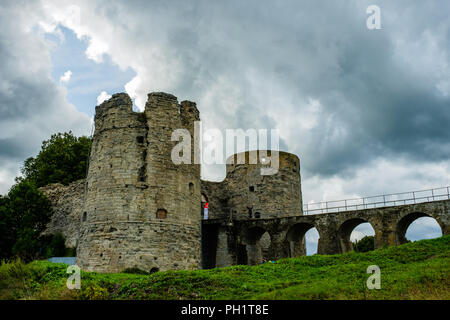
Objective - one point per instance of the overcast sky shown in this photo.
(366, 111)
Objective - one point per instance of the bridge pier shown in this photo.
(328, 235)
(279, 247)
(224, 253)
(328, 244)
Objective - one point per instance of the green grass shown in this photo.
(418, 270)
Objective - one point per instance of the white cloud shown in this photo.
(28, 119)
(102, 97)
(96, 50)
(66, 77)
(379, 176)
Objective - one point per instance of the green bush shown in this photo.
(366, 244)
(93, 292)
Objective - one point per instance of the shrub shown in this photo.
(93, 292)
(365, 244)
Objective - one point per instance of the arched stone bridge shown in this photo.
(230, 242)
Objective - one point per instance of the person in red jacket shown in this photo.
(205, 211)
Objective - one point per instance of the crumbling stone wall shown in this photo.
(67, 203)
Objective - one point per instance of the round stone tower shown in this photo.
(141, 210)
(256, 195)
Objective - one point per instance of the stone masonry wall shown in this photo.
(268, 196)
(141, 209)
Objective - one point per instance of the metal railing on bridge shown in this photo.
(386, 200)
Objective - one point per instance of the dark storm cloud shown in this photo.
(32, 107)
(380, 93)
(374, 101)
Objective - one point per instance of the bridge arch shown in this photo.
(295, 238)
(254, 246)
(404, 223)
(345, 231)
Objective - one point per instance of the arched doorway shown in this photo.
(417, 226)
(296, 236)
(351, 231)
(257, 243)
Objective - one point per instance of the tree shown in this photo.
(56, 246)
(63, 159)
(25, 213)
(365, 244)
(7, 238)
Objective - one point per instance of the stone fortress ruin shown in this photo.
(137, 209)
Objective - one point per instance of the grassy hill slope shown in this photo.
(419, 270)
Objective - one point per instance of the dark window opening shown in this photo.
(191, 187)
(252, 189)
(161, 214)
(140, 139)
(250, 212)
(142, 176)
(257, 215)
(153, 270)
(84, 216)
